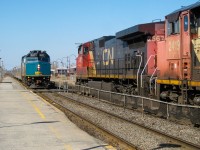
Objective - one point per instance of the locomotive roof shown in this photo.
(175, 14)
(139, 29)
(105, 38)
(36, 53)
(102, 39)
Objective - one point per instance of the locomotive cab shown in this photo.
(179, 74)
(82, 61)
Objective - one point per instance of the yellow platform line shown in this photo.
(58, 136)
(34, 106)
(52, 129)
(109, 147)
(38, 111)
(68, 147)
(55, 132)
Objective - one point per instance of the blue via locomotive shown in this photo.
(36, 69)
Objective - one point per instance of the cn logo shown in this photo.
(108, 55)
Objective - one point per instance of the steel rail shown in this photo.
(125, 144)
(178, 140)
(175, 139)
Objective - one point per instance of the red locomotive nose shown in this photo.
(38, 67)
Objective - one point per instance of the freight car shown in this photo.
(36, 69)
(160, 59)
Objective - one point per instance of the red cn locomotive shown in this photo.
(178, 57)
(123, 63)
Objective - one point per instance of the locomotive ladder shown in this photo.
(186, 76)
(184, 92)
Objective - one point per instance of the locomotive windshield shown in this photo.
(38, 56)
(44, 59)
(80, 49)
(173, 27)
(32, 59)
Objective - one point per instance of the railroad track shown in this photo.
(107, 135)
(174, 140)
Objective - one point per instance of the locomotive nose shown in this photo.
(38, 67)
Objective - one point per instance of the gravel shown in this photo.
(142, 138)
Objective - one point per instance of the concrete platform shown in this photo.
(27, 122)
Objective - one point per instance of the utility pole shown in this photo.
(0, 70)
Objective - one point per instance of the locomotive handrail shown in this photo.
(139, 69)
(152, 78)
(156, 20)
(144, 69)
(138, 96)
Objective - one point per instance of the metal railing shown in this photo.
(183, 113)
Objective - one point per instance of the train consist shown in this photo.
(36, 69)
(158, 59)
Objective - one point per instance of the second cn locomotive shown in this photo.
(123, 63)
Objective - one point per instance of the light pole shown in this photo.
(69, 60)
(64, 58)
(54, 67)
(61, 63)
(0, 70)
(61, 71)
(66, 63)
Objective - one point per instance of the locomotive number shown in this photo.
(173, 48)
(157, 38)
(108, 56)
(38, 73)
(174, 45)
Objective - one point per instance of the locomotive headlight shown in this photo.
(38, 67)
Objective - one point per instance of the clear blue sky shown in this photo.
(56, 25)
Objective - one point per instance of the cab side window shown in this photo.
(173, 27)
(80, 50)
(85, 50)
(185, 23)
